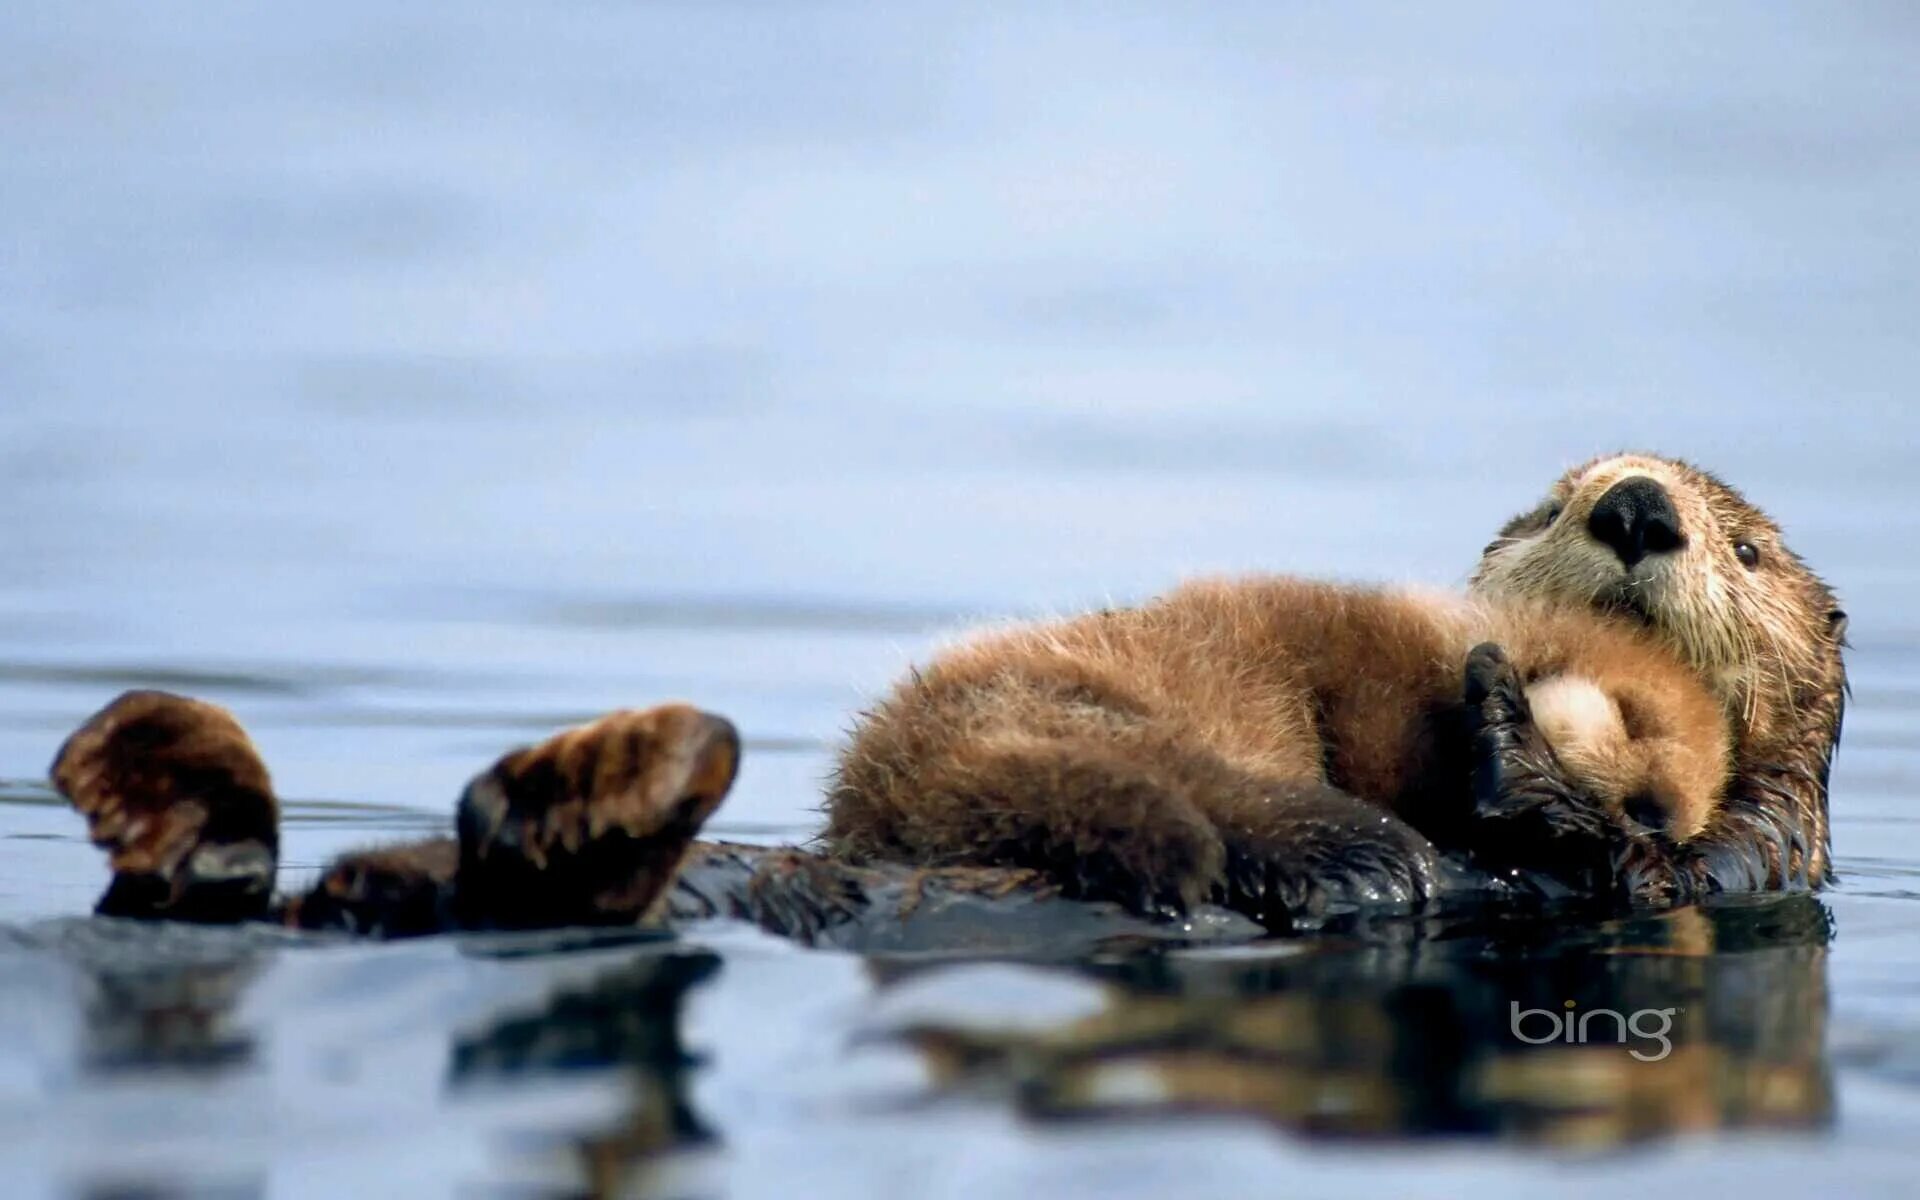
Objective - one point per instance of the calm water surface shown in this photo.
(415, 381)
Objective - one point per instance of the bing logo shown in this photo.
(1540, 1026)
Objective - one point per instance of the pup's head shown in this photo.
(1670, 546)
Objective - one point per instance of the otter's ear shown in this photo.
(1837, 624)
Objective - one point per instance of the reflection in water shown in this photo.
(164, 1007)
(1702, 1018)
(168, 1017)
(628, 1019)
(158, 997)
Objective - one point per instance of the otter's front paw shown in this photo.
(1528, 813)
(589, 826)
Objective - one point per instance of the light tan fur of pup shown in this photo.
(1158, 736)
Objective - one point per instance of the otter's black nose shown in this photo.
(1636, 518)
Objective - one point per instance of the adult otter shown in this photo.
(1770, 833)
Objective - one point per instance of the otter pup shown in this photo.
(1670, 546)
(1219, 742)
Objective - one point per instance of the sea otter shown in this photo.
(1673, 547)
(646, 779)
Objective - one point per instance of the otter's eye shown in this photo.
(1747, 553)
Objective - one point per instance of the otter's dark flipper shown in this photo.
(586, 828)
(175, 792)
(589, 826)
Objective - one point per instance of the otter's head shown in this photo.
(1674, 548)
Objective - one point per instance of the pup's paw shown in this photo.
(1528, 813)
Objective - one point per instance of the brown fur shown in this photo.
(586, 828)
(589, 826)
(175, 791)
(1767, 638)
(1150, 754)
(1271, 743)
(391, 891)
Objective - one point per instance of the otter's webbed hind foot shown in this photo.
(174, 791)
(589, 827)
(585, 828)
